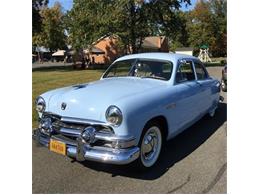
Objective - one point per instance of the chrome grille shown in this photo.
(73, 130)
(59, 124)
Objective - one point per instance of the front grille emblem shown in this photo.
(63, 106)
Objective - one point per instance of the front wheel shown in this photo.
(150, 146)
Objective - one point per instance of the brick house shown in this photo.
(110, 50)
(155, 44)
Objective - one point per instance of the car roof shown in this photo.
(157, 55)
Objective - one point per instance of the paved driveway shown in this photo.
(193, 162)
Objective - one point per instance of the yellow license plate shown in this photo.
(58, 147)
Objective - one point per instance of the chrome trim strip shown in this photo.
(83, 121)
(119, 141)
(113, 137)
(118, 157)
(102, 136)
(70, 132)
(78, 120)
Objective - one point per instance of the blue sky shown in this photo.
(67, 4)
(193, 2)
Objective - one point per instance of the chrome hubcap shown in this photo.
(151, 146)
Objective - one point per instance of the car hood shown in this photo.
(91, 100)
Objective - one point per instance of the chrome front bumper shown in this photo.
(82, 151)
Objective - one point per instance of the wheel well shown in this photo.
(162, 122)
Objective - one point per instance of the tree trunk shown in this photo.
(132, 28)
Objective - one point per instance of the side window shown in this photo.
(185, 72)
(200, 71)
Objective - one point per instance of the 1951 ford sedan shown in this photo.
(141, 101)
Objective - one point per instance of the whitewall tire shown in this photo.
(150, 146)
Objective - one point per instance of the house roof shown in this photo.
(94, 50)
(204, 47)
(59, 53)
(105, 37)
(184, 49)
(153, 42)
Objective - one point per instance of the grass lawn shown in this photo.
(45, 79)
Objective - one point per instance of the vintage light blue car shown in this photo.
(141, 101)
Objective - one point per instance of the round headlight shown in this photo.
(114, 116)
(40, 104)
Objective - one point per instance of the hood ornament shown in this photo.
(63, 105)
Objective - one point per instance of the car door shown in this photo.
(186, 95)
(205, 82)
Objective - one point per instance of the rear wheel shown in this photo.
(150, 146)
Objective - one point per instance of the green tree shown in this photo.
(206, 25)
(200, 25)
(89, 20)
(52, 34)
(82, 22)
(132, 24)
(143, 18)
(37, 5)
(219, 10)
(131, 20)
(180, 36)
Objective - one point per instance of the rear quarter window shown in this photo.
(200, 71)
(185, 72)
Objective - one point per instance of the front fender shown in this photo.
(139, 110)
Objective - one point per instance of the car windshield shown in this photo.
(143, 68)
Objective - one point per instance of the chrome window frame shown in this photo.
(177, 68)
(136, 60)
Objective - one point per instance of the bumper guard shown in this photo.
(82, 151)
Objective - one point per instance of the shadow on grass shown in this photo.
(53, 68)
(66, 68)
(174, 150)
